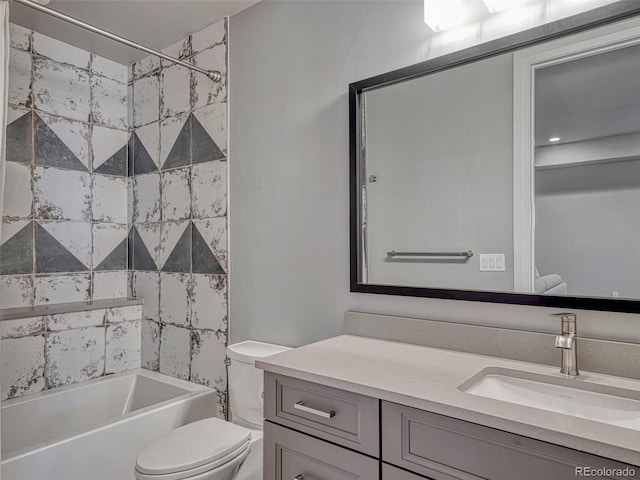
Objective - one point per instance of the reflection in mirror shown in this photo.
(587, 176)
(514, 173)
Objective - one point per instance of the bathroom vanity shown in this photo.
(355, 407)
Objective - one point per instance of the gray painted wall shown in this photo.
(289, 157)
(444, 169)
(587, 227)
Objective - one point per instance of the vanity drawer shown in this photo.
(290, 455)
(339, 416)
(445, 448)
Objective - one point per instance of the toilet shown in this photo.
(212, 449)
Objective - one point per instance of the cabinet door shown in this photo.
(443, 448)
(289, 455)
(393, 473)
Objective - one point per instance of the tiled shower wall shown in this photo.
(64, 233)
(112, 171)
(178, 209)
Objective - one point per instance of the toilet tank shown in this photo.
(245, 380)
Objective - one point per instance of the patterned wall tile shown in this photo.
(68, 321)
(62, 288)
(18, 194)
(209, 189)
(146, 66)
(214, 234)
(128, 313)
(210, 133)
(180, 49)
(19, 135)
(208, 37)
(109, 69)
(19, 78)
(123, 347)
(61, 143)
(146, 246)
(145, 149)
(60, 52)
(62, 246)
(109, 199)
(16, 247)
(175, 97)
(109, 148)
(175, 141)
(60, 89)
(109, 102)
(202, 258)
(146, 198)
(109, 246)
(146, 101)
(74, 356)
(22, 366)
(175, 355)
(53, 203)
(16, 290)
(146, 285)
(207, 91)
(209, 302)
(22, 327)
(110, 284)
(175, 298)
(175, 247)
(207, 358)
(20, 37)
(176, 194)
(150, 345)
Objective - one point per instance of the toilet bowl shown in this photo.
(213, 449)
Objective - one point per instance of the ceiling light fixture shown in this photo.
(441, 14)
(554, 139)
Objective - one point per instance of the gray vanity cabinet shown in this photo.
(315, 432)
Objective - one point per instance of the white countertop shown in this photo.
(428, 378)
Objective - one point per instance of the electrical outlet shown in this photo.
(492, 262)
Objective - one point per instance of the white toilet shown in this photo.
(213, 449)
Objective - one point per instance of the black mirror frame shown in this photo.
(580, 22)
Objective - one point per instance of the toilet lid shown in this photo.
(191, 446)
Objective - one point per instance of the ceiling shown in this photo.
(593, 97)
(153, 23)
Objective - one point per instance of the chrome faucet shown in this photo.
(567, 341)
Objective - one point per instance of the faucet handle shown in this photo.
(569, 321)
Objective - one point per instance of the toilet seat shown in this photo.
(193, 449)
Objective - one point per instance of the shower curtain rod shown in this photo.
(212, 74)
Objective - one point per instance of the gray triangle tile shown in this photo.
(141, 259)
(203, 148)
(140, 160)
(180, 259)
(50, 150)
(116, 164)
(179, 153)
(203, 259)
(52, 256)
(20, 140)
(16, 254)
(117, 259)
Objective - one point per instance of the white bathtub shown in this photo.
(94, 430)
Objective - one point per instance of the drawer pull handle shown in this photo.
(313, 411)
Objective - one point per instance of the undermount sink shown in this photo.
(575, 397)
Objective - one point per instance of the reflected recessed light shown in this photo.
(554, 139)
(443, 14)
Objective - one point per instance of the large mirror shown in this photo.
(509, 172)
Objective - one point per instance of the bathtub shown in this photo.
(94, 430)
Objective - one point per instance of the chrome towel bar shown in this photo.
(393, 253)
